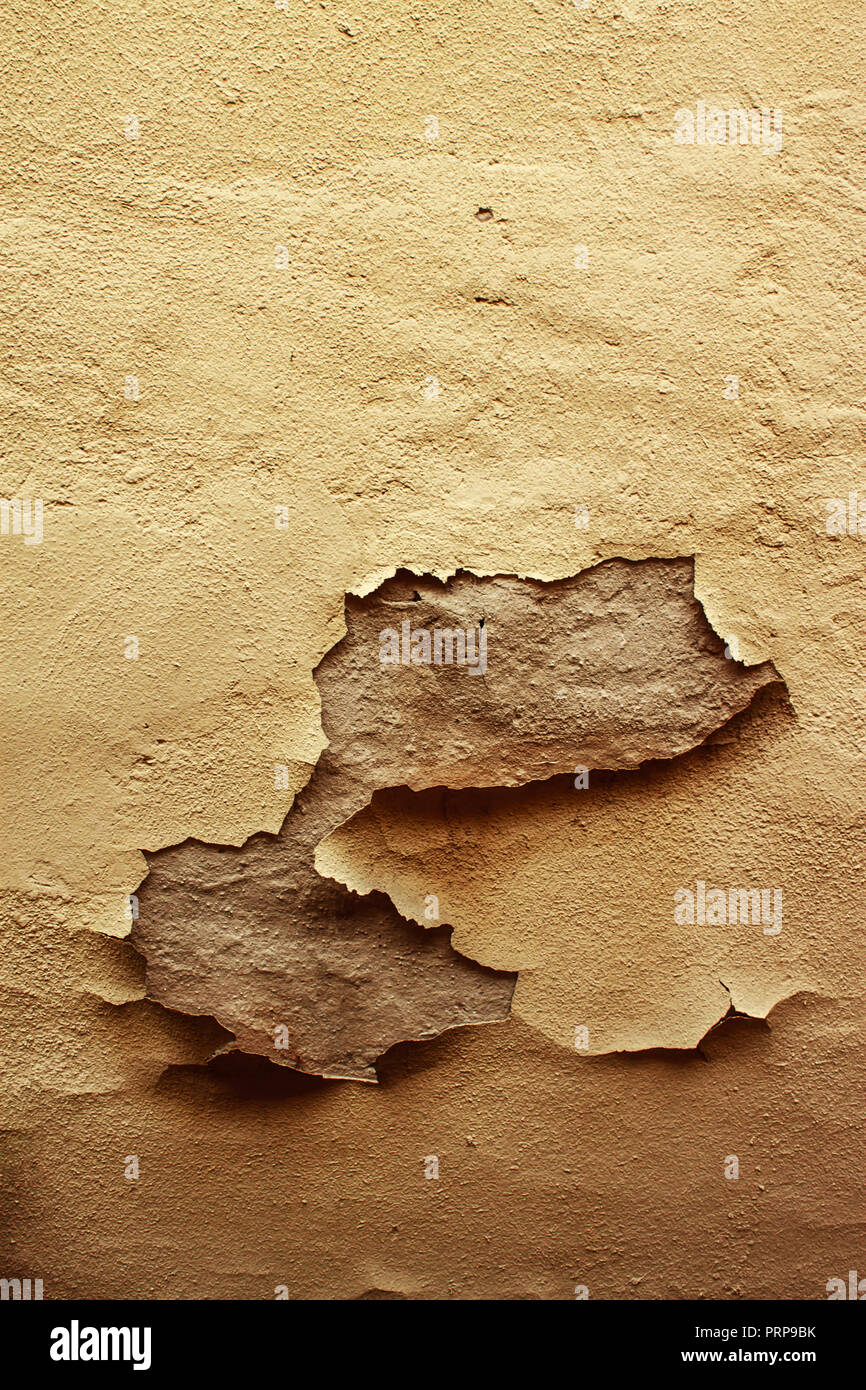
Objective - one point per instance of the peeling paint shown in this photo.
(607, 669)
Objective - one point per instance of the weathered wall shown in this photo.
(283, 260)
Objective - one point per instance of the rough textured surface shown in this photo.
(608, 669)
(304, 388)
(300, 970)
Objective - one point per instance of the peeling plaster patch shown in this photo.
(607, 669)
(301, 970)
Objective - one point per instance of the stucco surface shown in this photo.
(342, 370)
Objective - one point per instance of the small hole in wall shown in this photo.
(484, 214)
